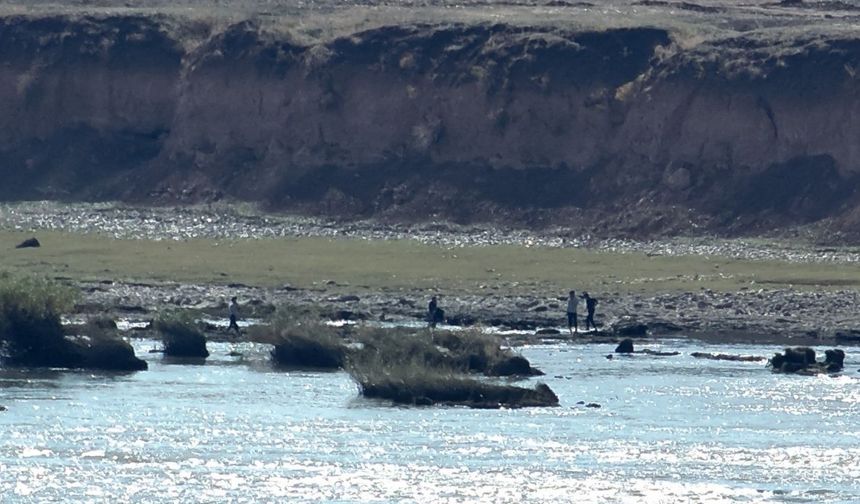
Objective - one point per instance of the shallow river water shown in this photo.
(670, 429)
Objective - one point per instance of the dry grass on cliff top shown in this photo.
(400, 265)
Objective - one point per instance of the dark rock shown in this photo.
(2, 408)
(801, 360)
(29, 243)
(626, 346)
(112, 354)
(592, 405)
(514, 366)
(849, 336)
(834, 360)
(630, 329)
(459, 391)
(547, 331)
(541, 309)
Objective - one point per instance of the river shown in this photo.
(669, 429)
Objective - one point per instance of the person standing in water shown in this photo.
(234, 315)
(590, 307)
(572, 302)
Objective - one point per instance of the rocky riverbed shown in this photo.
(749, 314)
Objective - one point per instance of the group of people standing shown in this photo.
(436, 314)
(590, 307)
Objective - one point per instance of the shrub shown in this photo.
(32, 334)
(302, 340)
(181, 336)
(31, 331)
(413, 382)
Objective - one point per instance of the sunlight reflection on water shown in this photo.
(670, 429)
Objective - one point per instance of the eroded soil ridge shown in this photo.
(633, 130)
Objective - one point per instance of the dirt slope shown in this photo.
(642, 129)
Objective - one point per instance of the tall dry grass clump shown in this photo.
(301, 339)
(181, 336)
(410, 368)
(32, 333)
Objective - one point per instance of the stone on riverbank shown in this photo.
(29, 243)
(630, 329)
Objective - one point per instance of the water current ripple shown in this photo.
(673, 429)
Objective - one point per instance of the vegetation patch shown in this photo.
(32, 334)
(301, 339)
(423, 368)
(414, 382)
(182, 337)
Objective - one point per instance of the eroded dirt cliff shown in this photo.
(634, 130)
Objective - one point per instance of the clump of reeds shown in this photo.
(482, 353)
(32, 333)
(415, 382)
(301, 339)
(408, 367)
(181, 336)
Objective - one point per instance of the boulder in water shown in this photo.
(801, 360)
(515, 365)
(626, 346)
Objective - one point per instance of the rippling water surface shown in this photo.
(670, 429)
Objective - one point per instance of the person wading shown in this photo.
(590, 307)
(572, 301)
(234, 315)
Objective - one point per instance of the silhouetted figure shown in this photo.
(590, 306)
(572, 302)
(234, 315)
(434, 313)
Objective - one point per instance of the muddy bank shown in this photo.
(635, 128)
(761, 316)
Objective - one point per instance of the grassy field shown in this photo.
(400, 265)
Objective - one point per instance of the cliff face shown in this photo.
(612, 131)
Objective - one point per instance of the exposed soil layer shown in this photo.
(669, 118)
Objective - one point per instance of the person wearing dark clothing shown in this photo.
(432, 310)
(572, 302)
(590, 306)
(234, 315)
